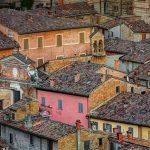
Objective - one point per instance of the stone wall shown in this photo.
(105, 92)
(6, 95)
(69, 142)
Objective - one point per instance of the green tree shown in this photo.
(27, 4)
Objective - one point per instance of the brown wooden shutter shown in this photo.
(82, 38)
(26, 43)
(40, 42)
(59, 40)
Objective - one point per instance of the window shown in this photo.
(26, 44)
(43, 101)
(132, 89)
(130, 129)
(119, 128)
(40, 61)
(87, 145)
(100, 141)
(31, 140)
(59, 40)
(143, 36)
(80, 107)
(40, 42)
(107, 127)
(13, 116)
(11, 138)
(116, 8)
(59, 104)
(95, 46)
(117, 89)
(94, 125)
(0, 130)
(148, 135)
(82, 37)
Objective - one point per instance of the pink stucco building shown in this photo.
(67, 92)
(65, 108)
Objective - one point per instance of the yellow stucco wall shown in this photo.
(145, 131)
(124, 127)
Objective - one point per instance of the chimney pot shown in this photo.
(120, 136)
(115, 130)
(78, 124)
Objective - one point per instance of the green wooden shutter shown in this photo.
(59, 40)
(40, 42)
(26, 43)
(82, 38)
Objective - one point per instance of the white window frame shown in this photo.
(40, 58)
(60, 56)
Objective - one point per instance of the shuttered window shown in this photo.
(82, 37)
(87, 145)
(43, 101)
(59, 104)
(148, 135)
(40, 42)
(26, 44)
(59, 40)
(80, 107)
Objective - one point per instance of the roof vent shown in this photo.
(77, 77)
(30, 18)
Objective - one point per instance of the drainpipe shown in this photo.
(78, 126)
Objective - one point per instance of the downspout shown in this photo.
(78, 127)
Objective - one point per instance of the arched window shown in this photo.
(100, 45)
(95, 46)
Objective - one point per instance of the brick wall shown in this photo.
(105, 92)
(69, 142)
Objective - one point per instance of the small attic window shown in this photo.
(13, 116)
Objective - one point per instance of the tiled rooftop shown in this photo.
(118, 45)
(141, 72)
(134, 144)
(111, 24)
(140, 52)
(24, 22)
(74, 9)
(127, 108)
(7, 43)
(45, 128)
(138, 26)
(65, 83)
(19, 56)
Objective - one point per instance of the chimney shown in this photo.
(61, 2)
(78, 124)
(28, 122)
(115, 130)
(52, 82)
(129, 135)
(77, 77)
(120, 136)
